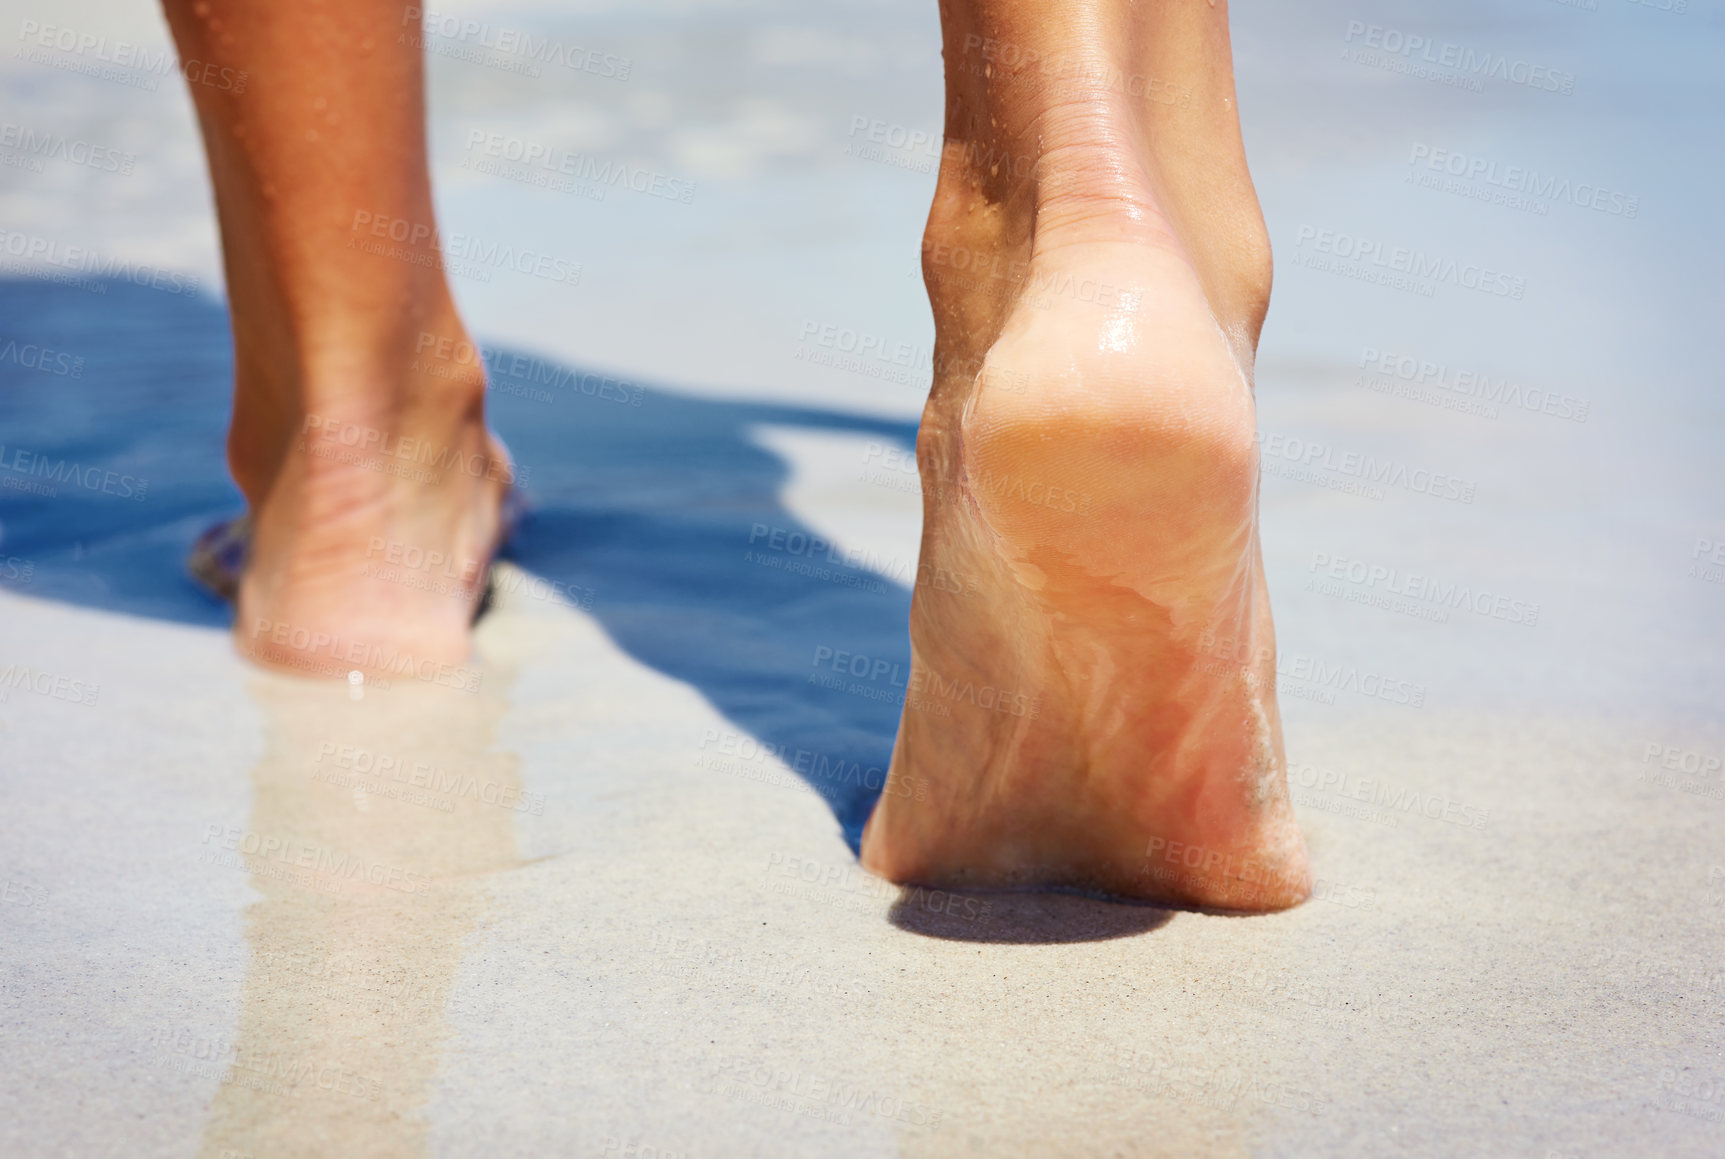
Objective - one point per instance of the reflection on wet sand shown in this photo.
(376, 821)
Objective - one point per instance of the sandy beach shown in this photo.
(597, 894)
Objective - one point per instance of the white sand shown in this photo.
(667, 950)
(689, 959)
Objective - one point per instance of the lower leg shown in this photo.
(334, 283)
(1099, 273)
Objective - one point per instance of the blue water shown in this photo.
(648, 507)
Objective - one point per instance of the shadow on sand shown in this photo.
(114, 402)
(1043, 918)
(110, 468)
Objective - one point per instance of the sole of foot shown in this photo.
(1077, 714)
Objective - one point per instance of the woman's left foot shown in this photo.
(371, 544)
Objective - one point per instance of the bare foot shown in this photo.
(361, 447)
(375, 514)
(1097, 478)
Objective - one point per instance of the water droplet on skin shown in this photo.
(1119, 335)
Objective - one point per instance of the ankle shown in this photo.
(421, 380)
(1116, 126)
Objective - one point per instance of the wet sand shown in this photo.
(608, 904)
(1511, 940)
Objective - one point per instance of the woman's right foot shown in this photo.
(1091, 455)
